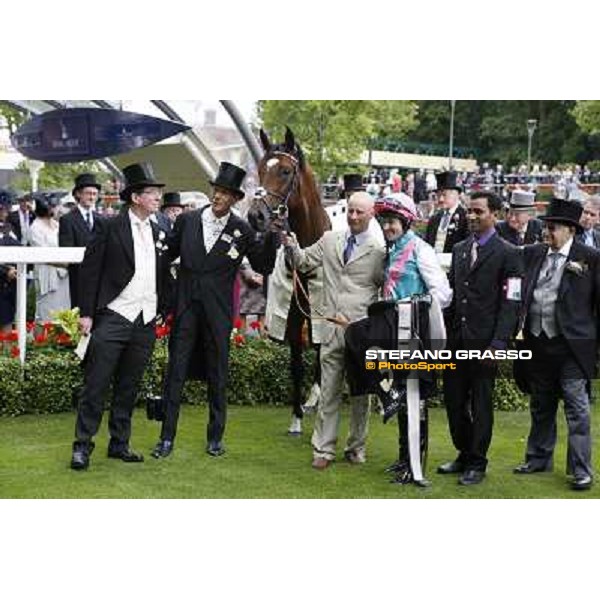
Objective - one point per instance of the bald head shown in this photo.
(360, 212)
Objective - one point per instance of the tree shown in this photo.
(333, 133)
(587, 115)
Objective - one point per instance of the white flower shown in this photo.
(578, 268)
(233, 253)
(161, 235)
(237, 233)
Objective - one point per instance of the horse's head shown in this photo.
(279, 171)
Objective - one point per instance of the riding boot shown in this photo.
(403, 472)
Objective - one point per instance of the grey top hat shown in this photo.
(522, 200)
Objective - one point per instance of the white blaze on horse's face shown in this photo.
(272, 162)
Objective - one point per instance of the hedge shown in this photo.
(259, 374)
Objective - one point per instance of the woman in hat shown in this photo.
(51, 283)
(412, 271)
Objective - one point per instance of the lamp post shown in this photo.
(531, 125)
(451, 144)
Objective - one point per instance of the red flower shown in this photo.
(255, 325)
(3, 337)
(40, 338)
(237, 323)
(239, 339)
(13, 336)
(30, 325)
(14, 351)
(161, 331)
(47, 326)
(63, 339)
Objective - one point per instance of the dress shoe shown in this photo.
(581, 483)
(355, 457)
(529, 468)
(320, 463)
(125, 454)
(451, 467)
(215, 449)
(162, 449)
(471, 477)
(80, 459)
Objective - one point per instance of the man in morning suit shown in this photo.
(521, 227)
(353, 266)
(22, 219)
(211, 243)
(485, 275)
(77, 227)
(590, 219)
(560, 315)
(447, 226)
(121, 282)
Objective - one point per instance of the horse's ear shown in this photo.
(264, 140)
(290, 142)
(300, 156)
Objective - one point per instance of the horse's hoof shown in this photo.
(295, 427)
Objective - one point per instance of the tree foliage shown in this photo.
(333, 133)
(587, 115)
(496, 130)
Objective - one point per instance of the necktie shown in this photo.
(88, 218)
(349, 248)
(474, 252)
(553, 258)
(521, 238)
(445, 220)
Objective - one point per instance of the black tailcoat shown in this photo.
(74, 232)
(458, 228)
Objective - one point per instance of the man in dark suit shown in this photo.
(22, 219)
(171, 208)
(590, 218)
(121, 282)
(560, 316)
(447, 226)
(521, 227)
(77, 227)
(485, 275)
(211, 243)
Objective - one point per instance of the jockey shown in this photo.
(415, 291)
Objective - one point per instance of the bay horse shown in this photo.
(288, 189)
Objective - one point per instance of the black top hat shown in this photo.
(230, 177)
(138, 176)
(565, 212)
(447, 181)
(171, 199)
(86, 180)
(353, 182)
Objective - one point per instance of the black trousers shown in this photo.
(191, 327)
(469, 406)
(119, 351)
(554, 373)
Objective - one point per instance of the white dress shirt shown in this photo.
(212, 227)
(140, 293)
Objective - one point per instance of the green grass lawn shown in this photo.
(261, 462)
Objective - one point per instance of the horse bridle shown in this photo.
(280, 211)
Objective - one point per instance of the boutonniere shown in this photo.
(233, 253)
(237, 233)
(452, 226)
(161, 235)
(577, 267)
(161, 246)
